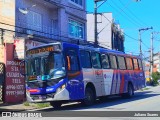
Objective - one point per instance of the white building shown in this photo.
(109, 34)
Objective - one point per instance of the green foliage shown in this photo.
(36, 105)
(155, 77)
(26, 103)
(42, 105)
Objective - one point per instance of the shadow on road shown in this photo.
(110, 101)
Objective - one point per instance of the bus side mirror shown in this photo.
(22, 68)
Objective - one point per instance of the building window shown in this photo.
(78, 2)
(76, 29)
(34, 21)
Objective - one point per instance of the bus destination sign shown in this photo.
(43, 49)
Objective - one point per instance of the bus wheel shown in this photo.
(130, 92)
(56, 104)
(89, 97)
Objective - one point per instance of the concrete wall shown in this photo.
(103, 28)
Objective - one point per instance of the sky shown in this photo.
(132, 16)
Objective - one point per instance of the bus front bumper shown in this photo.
(61, 95)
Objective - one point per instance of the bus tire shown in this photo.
(130, 91)
(89, 97)
(56, 104)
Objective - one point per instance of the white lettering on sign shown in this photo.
(14, 74)
(14, 92)
(15, 85)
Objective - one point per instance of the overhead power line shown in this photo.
(138, 20)
(120, 11)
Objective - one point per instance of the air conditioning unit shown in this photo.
(30, 32)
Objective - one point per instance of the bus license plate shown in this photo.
(42, 97)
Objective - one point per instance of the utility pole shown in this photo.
(95, 20)
(151, 54)
(95, 23)
(140, 40)
(151, 61)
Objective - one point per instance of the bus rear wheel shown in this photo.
(56, 104)
(89, 97)
(130, 92)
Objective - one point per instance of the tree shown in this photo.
(155, 77)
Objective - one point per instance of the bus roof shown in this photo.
(90, 48)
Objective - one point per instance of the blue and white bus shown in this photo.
(64, 72)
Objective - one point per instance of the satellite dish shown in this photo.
(23, 11)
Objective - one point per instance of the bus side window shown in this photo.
(113, 61)
(140, 64)
(129, 63)
(85, 59)
(105, 61)
(135, 64)
(96, 60)
(121, 63)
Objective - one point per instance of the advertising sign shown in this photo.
(19, 49)
(21, 45)
(14, 81)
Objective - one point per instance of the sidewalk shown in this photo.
(14, 107)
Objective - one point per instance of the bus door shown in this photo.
(98, 72)
(75, 84)
(87, 71)
(107, 75)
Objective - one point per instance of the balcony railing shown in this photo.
(40, 31)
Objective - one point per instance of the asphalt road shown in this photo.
(143, 103)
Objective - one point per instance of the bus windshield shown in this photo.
(52, 65)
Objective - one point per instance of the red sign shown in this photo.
(14, 82)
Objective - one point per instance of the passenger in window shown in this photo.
(104, 62)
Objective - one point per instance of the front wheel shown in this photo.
(89, 97)
(56, 104)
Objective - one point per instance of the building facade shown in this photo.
(28, 23)
(109, 35)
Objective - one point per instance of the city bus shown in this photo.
(63, 72)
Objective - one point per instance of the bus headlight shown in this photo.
(60, 88)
